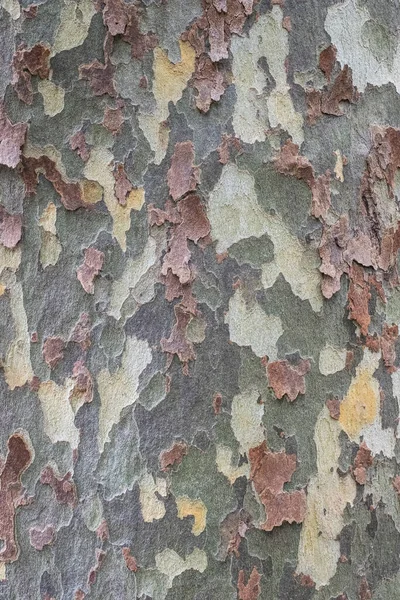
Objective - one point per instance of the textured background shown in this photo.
(199, 299)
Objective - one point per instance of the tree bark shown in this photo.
(199, 289)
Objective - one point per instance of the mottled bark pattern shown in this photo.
(200, 299)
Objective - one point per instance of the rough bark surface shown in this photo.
(200, 299)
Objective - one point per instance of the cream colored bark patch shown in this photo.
(57, 412)
(12, 7)
(233, 210)
(339, 166)
(332, 360)
(171, 564)
(363, 45)
(53, 97)
(361, 404)
(224, 465)
(255, 109)
(74, 25)
(235, 214)
(192, 508)
(250, 326)
(327, 497)
(152, 507)
(168, 84)
(99, 168)
(246, 422)
(298, 265)
(17, 366)
(135, 269)
(50, 247)
(119, 389)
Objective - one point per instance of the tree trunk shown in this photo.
(200, 296)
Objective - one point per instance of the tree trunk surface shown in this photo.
(200, 299)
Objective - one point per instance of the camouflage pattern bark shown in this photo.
(199, 229)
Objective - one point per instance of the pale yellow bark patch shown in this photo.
(332, 360)
(327, 497)
(17, 366)
(152, 507)
(339, 166)
(361, 404)
(119, 389)
(99, 168)
(74, 25)
(50, 248)
(193, 508)
(53, 97)
(235, 214)
(171, 564)
(12, 7)
(250, 326)
(58, 414)
(256, 110)
(169, 81)
(224, 465)
(246, 421)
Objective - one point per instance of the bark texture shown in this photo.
(200, 299)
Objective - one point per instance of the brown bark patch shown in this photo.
(251, 590)
(92, 265)
(27, 63)
(269, 471)
(182, 175)
(63, 487)
(173, 456)
(53, 351)
(286, 378)
(18, 459)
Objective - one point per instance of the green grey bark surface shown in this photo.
(199, 292)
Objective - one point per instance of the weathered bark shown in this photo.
(199, 228)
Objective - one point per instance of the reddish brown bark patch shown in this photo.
(27, 63)
(10, 228)
(82, 391)
(78, 143)
(289, 162)
(359, 295)
(251, 590)
(123, 19)
(70, 192)
(209, 82)
(182, 175)
(364, 592)
(194, 226)
(333, 405)
(18, 459)
(122, 185)
(285, 378)
(92, 265)
(130, 560)
(81, 332)
(232, 530)
(269, 471)
(327, 60)
(64, 488)
(113, 119)
(342, 90)
(12, 138)
(39, 538)
(173, 456)
(53, 351)
(388, 346)
(362, 461)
